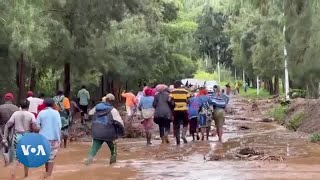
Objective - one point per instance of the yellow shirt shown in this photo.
(180, 97)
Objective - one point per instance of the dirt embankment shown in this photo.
(306, 113)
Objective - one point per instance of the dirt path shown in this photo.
(190, 161)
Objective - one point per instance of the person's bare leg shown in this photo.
(202, 134)
(207, 132)
(13, 169)
(50, 169)
(65, 141)
(26, 171)
(46, 167)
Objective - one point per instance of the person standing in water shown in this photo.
(6, 111)
(130, 103)
(22, 122)
(163, 105)
(63, 106)
(49, 123)
(180, 113)
(147, 112)
(193, 112)
(219, 102)
(107, 126)
(84, 97)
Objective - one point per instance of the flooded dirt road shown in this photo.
(301, 159)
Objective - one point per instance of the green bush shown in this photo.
(295, 122)
(315, 137)
(297, 93)
(278, 113)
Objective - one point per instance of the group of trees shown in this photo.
(256, 36)
(111, 45)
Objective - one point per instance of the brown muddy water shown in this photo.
(187, 162)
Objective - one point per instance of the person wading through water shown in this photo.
(63, 106)
(107, 127)
(180, 114)
(6, 111)
(219, 102)
(84, 97)
(22, 122)
(205, 115)
(147, 112)
(130, 104)
(194, 105)
(49, 123)
(163, 105)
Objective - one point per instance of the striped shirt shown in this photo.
(180, 97)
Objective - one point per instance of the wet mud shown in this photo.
(200, 160)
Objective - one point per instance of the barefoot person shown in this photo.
(107, 126)
(147, 112)
(22, 122)
(63, 106)
(49, 123)
(6, 111)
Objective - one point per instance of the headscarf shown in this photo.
(8, 97)
(148, 92)
(203, 92)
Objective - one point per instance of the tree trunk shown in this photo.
(276, 85)
(33, 79)
(22, 79)
(102, 85)
(283, 86)
(67, 79)
(271, 89)
(57, 85)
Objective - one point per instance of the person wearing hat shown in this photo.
(6, 111)
(34, 103)
(107, 126)
(49, 125)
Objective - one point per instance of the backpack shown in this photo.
(104, 127)
(218, 102)
(62, 111)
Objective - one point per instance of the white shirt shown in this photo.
(34, 103)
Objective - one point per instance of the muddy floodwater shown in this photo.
(300, 158)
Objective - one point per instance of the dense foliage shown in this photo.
(111, 45)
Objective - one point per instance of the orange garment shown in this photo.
(130, 99)
(65, 104)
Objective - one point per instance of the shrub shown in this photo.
(315, 137)
(295, 122)
(278, 113)
(297, 93)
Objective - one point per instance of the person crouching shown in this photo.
(107, 126)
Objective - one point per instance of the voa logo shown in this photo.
(33, 150)
(39, 150)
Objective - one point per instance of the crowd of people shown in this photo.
(192, 108)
